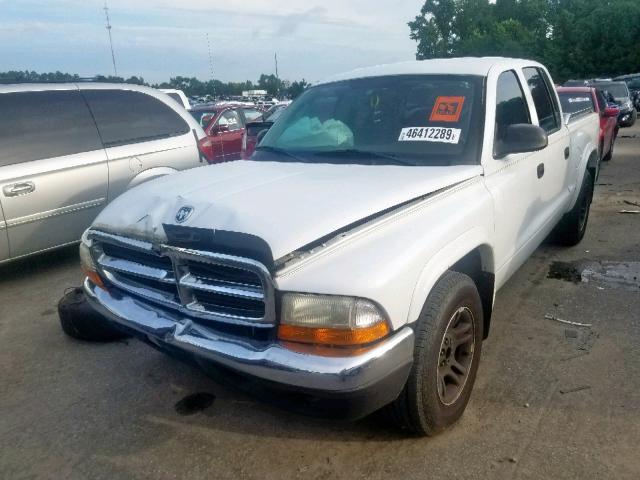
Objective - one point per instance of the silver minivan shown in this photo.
(66, 150)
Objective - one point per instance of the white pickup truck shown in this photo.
(356, 257)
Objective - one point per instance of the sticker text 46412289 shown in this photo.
(430, 134)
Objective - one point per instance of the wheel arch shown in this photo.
(471, 254)
(150, 174)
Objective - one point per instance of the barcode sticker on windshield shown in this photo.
(430, 134)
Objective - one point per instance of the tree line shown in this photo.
(190, 85)
(573, 38)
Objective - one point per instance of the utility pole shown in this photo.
(113, 56)
(213, 83)
(275, 56)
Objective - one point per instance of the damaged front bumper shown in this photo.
(364, 381)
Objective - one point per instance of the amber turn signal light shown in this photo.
(333, 336)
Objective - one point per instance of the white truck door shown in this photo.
(553, 173)
(512, 180)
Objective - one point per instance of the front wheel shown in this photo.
(449, 336)
(80, 321)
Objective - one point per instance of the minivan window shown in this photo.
(511, 106)
(37, 125)
(543, 100)
(125, 116)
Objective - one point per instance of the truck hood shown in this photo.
(286, 204)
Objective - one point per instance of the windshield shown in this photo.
(634, 83)
(573, 102)
(408, 119)
(618, 90)
(274, 113)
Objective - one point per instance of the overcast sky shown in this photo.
(162, 38)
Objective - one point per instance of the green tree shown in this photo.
(574, 38)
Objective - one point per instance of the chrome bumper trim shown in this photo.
(269, 361)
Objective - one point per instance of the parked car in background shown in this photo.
(69, 149)
(576, 100)
(254, 129)
(178, 96)
(355, 258)
(622, 98)
(633, 84)
(224, 124)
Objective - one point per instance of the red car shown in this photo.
(577, 99)
(250, 140)
(224, 125)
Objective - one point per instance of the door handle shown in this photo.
(566, 153)
(17, 189)
(540, 170)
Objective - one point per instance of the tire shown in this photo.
(424, 407)
(573, 225)
(80, 321)
(609, 154)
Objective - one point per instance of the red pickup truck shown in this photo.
(577, 99)
(225, 126)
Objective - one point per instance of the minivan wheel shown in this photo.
(80, 321)
(447, 352)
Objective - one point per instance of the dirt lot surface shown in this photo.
(552, 400)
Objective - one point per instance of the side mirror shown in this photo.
(611, 111)
(521, 138)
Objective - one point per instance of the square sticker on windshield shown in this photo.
(447, 109)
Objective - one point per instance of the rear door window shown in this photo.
(38, 125)
(125, 117)
(543, 99)
(251, 114)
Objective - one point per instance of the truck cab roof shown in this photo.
(458, 66)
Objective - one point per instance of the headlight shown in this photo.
(330, 320)
(87, 264)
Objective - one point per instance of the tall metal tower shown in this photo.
(275, 56)
(210, 63)
(113, 56)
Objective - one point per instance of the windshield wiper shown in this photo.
(267, 148)
(355, 153)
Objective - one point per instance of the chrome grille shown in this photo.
(200, 284)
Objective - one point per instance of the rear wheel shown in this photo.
(449, 336)
(609, 154)
(573, 225)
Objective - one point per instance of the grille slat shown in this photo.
(204, 285)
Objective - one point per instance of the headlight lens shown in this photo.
(330, 320)
(87, 264)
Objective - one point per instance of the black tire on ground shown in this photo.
(79, 320)
(573, 225)
(609, 154)
(432, 400)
